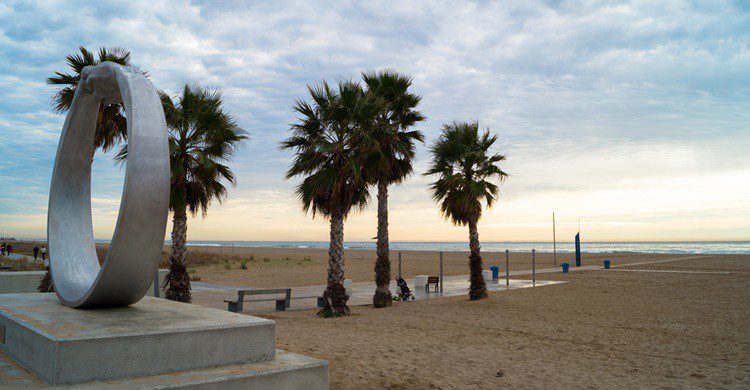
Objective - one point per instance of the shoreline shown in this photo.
(564, 248)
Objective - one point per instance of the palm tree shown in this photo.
(111, 127)
(391, 159)
(466, 167)
(327, 140)
(110, 123)
(202, 136)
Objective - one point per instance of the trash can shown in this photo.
(565, 267)
(606, 264)
(495, 272)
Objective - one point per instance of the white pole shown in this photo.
(441, 272)
(507, 268)
(399, 264)
(554, 240)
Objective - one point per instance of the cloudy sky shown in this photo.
(633, 116)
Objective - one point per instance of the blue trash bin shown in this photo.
(495, 272)
(606, 264)
(565, 267)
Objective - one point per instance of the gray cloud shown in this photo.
(561, 81)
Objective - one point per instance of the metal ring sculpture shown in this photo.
(135, 249)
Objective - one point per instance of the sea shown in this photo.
(676, 247)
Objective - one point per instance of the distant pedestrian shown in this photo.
(36, 252)
(44, 252)
(9, 249)
(3, 249)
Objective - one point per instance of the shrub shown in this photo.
(243, 264)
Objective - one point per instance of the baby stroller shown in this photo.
(405, 294)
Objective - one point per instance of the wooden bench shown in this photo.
(281, 303)
(432, 280)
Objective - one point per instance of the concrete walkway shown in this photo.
(212, 295)
(18, 256)
(360, 294)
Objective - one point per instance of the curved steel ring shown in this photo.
(135, 250)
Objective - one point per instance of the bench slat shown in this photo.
(265, 291)
(281, 304)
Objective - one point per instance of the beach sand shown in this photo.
(630, 327)
(292, 267)
(602, 329)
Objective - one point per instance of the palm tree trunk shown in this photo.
(45, 285)
(477, 287)
(335, 294)
(177, 281)
(382, 297)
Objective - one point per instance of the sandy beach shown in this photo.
(680, 321)
(637, 326)
(278, 267)
(603, 329)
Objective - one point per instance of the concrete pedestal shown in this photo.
(146, 340)
(28, 281)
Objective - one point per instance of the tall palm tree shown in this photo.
(202, 137)
(327, 141)
(391, 159)
(110, 123)
(466, 168)
(111, 127)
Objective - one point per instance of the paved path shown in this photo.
(18, 256)
(212, 295)
(359, 293)
(668, 271)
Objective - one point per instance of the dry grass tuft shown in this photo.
(20, 265)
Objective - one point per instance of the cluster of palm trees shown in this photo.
(202, 137)
(347, 139)
(350, 137)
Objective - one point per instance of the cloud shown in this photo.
(593, 101)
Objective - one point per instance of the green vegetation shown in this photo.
(20, 265)
(110, 125)
(389, 159)
(328, 140)
(202, 137)
(465, 167)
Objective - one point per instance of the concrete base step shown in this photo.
(152, 337)
(286, 371)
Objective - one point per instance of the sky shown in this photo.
(630, 116)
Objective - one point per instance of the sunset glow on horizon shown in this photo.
(632, 118)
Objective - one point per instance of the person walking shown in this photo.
(9, 249)
(44, 253)
(36, 252)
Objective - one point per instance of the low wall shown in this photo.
(20, 282)
(28, 281)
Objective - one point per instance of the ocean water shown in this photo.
(677, 247)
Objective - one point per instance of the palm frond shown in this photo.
(465, 170)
